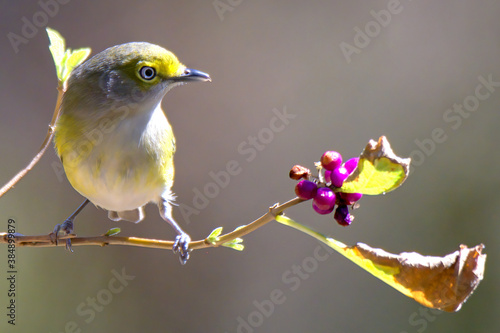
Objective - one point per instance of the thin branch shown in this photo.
(43, 147)
(48, 240)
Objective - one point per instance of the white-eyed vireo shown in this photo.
(113, 137)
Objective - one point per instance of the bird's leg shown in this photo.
(66, 227)
(181, 244)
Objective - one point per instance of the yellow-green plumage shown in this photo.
(113, 138)
(123, 168)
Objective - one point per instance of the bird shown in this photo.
(113, 137)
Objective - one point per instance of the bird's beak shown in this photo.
(190, 75)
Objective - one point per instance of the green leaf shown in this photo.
(212, 238)
(65, 60)
(112, 232)
(74, 59)
(235, 244)
(379, 170)
(57, 49)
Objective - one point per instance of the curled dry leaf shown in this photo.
(379, 170)
(443, 283)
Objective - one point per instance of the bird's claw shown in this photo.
(181, 246)
(65, 228)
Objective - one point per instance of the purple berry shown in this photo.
(350, 198)
(328, 175)
(321, 211)
(351, 164)
(324, 199)
(331, 160)
(306, 189)
(338, 176)
(342, 216)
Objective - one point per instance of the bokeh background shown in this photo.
(264, 56)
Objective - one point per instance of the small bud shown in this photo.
(299, 172)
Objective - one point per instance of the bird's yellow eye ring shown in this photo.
(147, 73)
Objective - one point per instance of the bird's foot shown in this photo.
(181, 246)
(64, 229)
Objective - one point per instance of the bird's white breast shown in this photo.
(122, 168)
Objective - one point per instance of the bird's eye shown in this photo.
(147, 73)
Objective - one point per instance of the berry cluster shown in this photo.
(324, 190)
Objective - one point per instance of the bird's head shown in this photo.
(127, 74)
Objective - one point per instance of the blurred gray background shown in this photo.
(262, 56)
